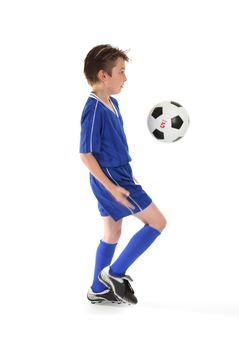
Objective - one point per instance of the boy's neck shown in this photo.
(101, 94)
(104, 98)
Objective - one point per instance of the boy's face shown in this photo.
(115, 82)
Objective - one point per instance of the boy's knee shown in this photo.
(112, 236)
(118, 232)
(160, 224)
(164, 223)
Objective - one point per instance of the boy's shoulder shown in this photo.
(90, 105)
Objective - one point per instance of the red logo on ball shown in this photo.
(163, 123)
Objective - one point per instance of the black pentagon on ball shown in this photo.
(157, 112)
(175, 104)
(178, 138)
(158, 134)
(176, 122)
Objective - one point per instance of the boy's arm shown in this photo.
(119, 193)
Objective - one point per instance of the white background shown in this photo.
(187, 282)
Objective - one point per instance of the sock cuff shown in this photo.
(152, 229)
(108, 244)
(107, 248)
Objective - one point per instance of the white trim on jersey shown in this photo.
(99, 99)
(92, 127)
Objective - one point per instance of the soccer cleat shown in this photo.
(119, 285)
(129, 289)
(105, 296)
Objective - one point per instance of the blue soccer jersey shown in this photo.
(102, 133)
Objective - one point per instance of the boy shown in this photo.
(104, 150)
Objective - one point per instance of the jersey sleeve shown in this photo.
(91, 130)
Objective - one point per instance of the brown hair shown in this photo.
(101, 57)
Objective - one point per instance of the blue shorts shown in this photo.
(107, 204)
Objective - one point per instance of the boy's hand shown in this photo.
(120, 194)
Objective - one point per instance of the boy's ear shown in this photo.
(102, 75)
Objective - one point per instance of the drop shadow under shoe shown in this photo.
(119, 285)
(105, 296)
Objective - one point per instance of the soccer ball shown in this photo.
(168, 121)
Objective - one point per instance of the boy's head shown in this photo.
(102, 58)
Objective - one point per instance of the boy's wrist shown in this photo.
(110, 187)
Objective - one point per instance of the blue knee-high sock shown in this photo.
(136, 246)
(104, 255)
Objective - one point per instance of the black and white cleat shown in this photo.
(102, 297)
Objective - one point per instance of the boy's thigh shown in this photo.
(112, 229)
(152, 216)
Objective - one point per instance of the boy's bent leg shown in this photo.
(153, 217)
(136, 246)
(105, 250)
(154, 224)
